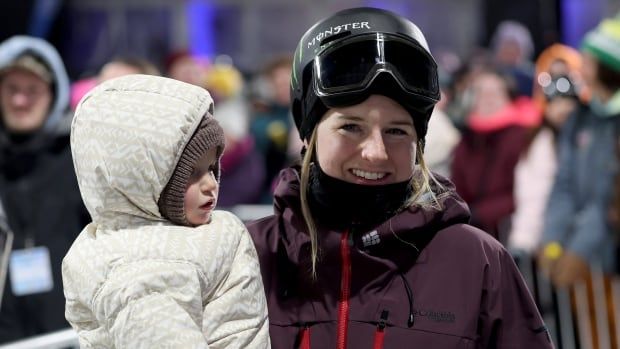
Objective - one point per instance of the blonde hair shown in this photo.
(423, 194)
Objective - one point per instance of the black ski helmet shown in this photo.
(344, 58)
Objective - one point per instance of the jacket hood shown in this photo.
(127, 136)
(521, 112)
(400, 227)
(58, 118)
(573, 60)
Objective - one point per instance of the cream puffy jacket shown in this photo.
(132, 279)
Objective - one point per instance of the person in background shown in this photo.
(443, 139)
(577, 230)
(159, 266)
(555, 61)
(512, 49)
(185, 66)
(37, 185)
(557, 92)
(243, 166)
(457, 88)
(271, 122)
(121, 66)
(118, 66)
(483, 163)
(367, 249)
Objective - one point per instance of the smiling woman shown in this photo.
(362, 226)
(353, 143)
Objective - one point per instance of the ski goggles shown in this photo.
(349, 67)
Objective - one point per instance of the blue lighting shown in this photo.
(200, 16)
(400, 7)
(579, 16)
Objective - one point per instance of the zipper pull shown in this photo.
(380, 332)
(384, 316)
(411, 320)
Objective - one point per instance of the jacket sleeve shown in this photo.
(590, 231)
(509, 318)
(152, 304)
(560, 206)
(534, 176)
(236, 315)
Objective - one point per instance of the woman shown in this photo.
(496, 133)
(559, 93)
(365, 248)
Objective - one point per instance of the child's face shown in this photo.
(202, 189)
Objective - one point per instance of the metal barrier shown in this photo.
(585, 315)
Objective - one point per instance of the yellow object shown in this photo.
(224, 80)
(277, 132)
(553, 250)
(611, 27)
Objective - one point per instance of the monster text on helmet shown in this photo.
(337, 29)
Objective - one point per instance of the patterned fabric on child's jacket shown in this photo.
(132, 279)
(463, 291)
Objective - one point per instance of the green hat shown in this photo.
(604, 43)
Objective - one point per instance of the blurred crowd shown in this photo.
(531, 143)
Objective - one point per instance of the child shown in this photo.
(157, 267)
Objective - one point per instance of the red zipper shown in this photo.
(380, 332)
(305, 338)
(345, 290)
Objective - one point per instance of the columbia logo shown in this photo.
(371, 238)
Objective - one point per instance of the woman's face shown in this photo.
(371, 143)
(490, 94)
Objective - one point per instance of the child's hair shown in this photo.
(209, 134)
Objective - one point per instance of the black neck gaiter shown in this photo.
(338, 204)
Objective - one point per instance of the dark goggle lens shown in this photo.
(413, 67)
(348, 66)
(354, 65)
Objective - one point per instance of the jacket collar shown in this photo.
(401, 231)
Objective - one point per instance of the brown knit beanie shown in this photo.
(209, 134)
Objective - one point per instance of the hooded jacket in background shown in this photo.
(58, 119)
(132, 279)
(463, 291)
(577, 210)
(40, 195)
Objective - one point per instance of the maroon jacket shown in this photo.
(464, 291)
(483, 169)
